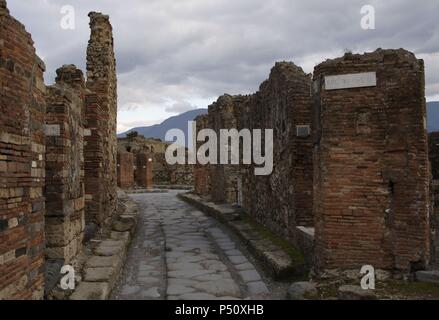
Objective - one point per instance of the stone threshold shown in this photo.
(278, 261)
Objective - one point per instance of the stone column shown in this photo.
(65, 166)
(144, 166)
(125, 170)
(101, 108)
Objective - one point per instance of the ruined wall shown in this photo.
(22, 168)
(201, 172)
(224, 114)
(125, 170)
(371, 178)
(64, 190)
(282, 200)
(163, 173)
(101, 105)
(143, 172)
(433, 149)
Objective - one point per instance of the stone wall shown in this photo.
(163, 173)
(371, 170)
(101, 105)
(22, 167)
(283, 199)
(224, 114)
(201, 172)
(64, 189)
(434, 160)
(125, 170)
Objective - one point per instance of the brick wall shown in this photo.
(64, 188)
(201, 172)
(163, 173)
(371, 171)
(433, 140)
(224, 114)
(282, 200)
(22, 147)
(125, 170)
(101, 146)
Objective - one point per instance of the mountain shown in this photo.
(433, 116)
(158, 131)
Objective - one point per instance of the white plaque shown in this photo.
(52, 130)
(346, 81)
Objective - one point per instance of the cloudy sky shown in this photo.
(177, 55)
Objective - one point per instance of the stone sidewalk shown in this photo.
(179, 253)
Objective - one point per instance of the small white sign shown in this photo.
(52, 130)
(346, 81)
(87, 132)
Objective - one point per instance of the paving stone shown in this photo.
(249, 275)
(197, 296)
(302, 291)
(108, 251)
(99, 274)
(152, 293)
(220, 288)
(244, 266)
(179, 290)
(91, 291)
(129, 290)
(234, 253)
(257, 288)
(348, 292)
(238, 259)
(100, 261)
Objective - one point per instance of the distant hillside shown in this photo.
(158, 131)
(433, 116)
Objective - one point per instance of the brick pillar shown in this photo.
(144, 172)
(372, 176)
(125, 170)
(65, 165)
(22, 148)
(101, 107)
(223, 115)
(201, 172)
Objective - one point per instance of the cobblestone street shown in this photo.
(180, 253)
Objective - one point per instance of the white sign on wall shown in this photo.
(52, 130)
(346, 81)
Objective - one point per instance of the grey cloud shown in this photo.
(171, 53)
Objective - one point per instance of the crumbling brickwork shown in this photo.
(162, 172)
(101, 113)
(64, 188)
(143, 172)
(22, 167)
(125, 170)
(283, 199)
(371, 170)
(433, 149)
(224, 114)
(201, 172)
